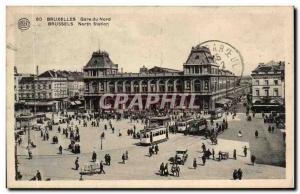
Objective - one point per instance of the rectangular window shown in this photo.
(256, 92)
(266, 82)
(275, 91)
(266, 92)
(276, 82)
(257, 82)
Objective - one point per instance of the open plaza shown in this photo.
(268, 148)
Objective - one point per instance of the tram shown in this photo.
(156, 131)
(197, 127)
(184, 124)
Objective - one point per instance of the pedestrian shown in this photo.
(203, 160)
(203, 147)
(213, 154)
(126, 155)
(29, 154)
(253, 158)
(166, 169)
(60, 149)
(150, 151)
(273, 129)
(156, 149)
(256, 133)
(239, 174)
(220, 155)
(38, 175)
(94, 156)
(108, 159)
(195, 163)
(161, 169)
(123, 158)
(245, 151)
(77, 163)
(234, 154)
(235, 174)
(102, 168)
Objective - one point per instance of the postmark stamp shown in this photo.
(226, 56)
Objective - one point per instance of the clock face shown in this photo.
(226, 56)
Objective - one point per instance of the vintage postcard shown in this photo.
(150, 97)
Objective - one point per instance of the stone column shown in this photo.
(140, 86)
(116, 87)
(123, 85)
(174, 85)
(131, 86)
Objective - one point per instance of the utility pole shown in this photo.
(101, 138)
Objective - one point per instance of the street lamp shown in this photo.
(101, 138)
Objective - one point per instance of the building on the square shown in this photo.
(200, 75)
(268, 87)
(75, 83)
(17, 78)
(45, 92)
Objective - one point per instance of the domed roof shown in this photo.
(200, 55)
(101, 59)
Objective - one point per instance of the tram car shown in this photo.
(153, 135)
(156, 131)
(159, 121)
(197, 127)
(184, 124)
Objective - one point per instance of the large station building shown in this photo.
(212, 85)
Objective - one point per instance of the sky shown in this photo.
(150, 36)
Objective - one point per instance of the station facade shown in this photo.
(200, 76)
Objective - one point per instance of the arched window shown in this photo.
(179, 85)
(136, 87)
(197, 85)
(111, 87)
(120, 86)
(170, 86)
(152, 86)
(144, 86)
(127, 87)
(161, 86)
(95, 87)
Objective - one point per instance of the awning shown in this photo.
(265, 105)
(277, 101)
(223, 101)
(77, 102)
(73, 103)
(39, 103)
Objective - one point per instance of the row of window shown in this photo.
(266, 82)
(41, 86)
(200, 70)
(266, 92)
(38, 95)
